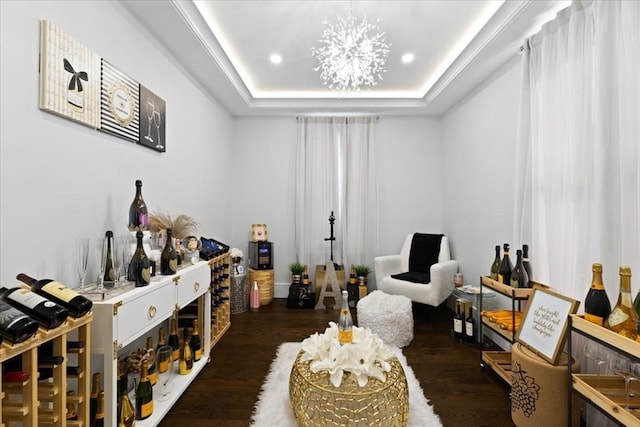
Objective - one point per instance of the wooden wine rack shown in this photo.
(220, 315)
(34, 403)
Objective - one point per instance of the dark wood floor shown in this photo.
(462, 393)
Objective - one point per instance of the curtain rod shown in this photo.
(347, 115)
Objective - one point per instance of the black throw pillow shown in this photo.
(414, 276)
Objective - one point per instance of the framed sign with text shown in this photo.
(544, 323)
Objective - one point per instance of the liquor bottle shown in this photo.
(138, 213)
(144, 393)
(345, 322)
(110, 275)
(126, 413)
(99, 421)
(46, 312)
(458, 322)
(173, 340)
(153, 374)
(186, 356)
(194, 342)
(93, 398)
(623, 319)
(596, 305)
(519, 277)
(15, 326)
(71, 413)
(495, 266)
(168, 259)
(255, 297)
(73, 302)
(504, 274)
(139, 268)
(527, 264)
(469, 326)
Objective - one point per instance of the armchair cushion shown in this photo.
(425, 249)
(414, 277)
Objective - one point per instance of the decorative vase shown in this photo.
(235, 261)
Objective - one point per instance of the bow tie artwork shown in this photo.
(76, 76)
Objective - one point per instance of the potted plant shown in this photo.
(362, 271)
(296, 271)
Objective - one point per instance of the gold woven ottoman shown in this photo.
(316, 402)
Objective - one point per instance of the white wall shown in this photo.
(61, 180)
(478, 154)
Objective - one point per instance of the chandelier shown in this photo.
(352, 54)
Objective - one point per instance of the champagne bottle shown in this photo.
(305, 276)
(73, 302)
(596, 305)
(110, 275)
(99, 422)
(168, 259)
(636, 304)
(186, 356)
(495, 266)
(345, 322)
(93, 398)
(139, 268)
(458, 321)
(196, 346)
(623, 319)
(126, 413)
(527, 264)
(71, 413)
(144, 393)
(519, 277)
(153, 374)
(504, 274)
(47, 313)
(469, 326)
(138, 213)
(15, 326)
(352, 288)
(174, 341)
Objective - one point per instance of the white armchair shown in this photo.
(440, 278)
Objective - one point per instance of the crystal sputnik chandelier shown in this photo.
(352, 54)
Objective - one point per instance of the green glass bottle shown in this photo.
(140, 267)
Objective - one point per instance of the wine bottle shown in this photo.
(144, 393)
(46, 312)
(138, 213)
(153, 374)
(596, 305)
(168, 259)
(352, 288)
(15, 326)
(519, 277)
(345, 322)
(186, 356)
(623, 319)
(636, 304)
(93, 398)
(99, 422)
(458, 321)
(504, 274)
(126, 413)
(174, 341)
(73, 302)
(196, 345)
(495, 266)
(469, 326)
(71, 413)
(255, 297)
(139, 268)
(527, 264)
(110, 275)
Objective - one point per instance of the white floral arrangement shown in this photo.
(236, 253)
(365, 357)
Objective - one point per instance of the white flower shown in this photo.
(236, 253)
(366, 357)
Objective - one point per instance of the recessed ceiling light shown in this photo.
(408, 58)
(275, 58)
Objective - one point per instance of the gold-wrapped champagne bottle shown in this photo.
(186, 356)
(623, 319)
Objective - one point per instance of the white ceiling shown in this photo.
(226, 45)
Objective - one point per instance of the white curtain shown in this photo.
(578, 187)
(335, 171)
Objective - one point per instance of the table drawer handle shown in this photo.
(152, 311)
(196, 286)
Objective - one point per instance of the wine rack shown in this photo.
(220, 296)
(33, 402)
(122, 323)
(586, 384)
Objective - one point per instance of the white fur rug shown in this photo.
(273, 408)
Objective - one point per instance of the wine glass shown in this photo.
(157, 120)
(82, 247)
(164, 365)
(595, 352)
(100, 254)
(151, 108)
(119, 243)
(622, 366)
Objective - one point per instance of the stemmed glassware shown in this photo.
(82, 247)
(100, 254)
(118, 246)
(595, 352)
(157, 120)
(151, 108)
(622, 366)
(164, 365)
